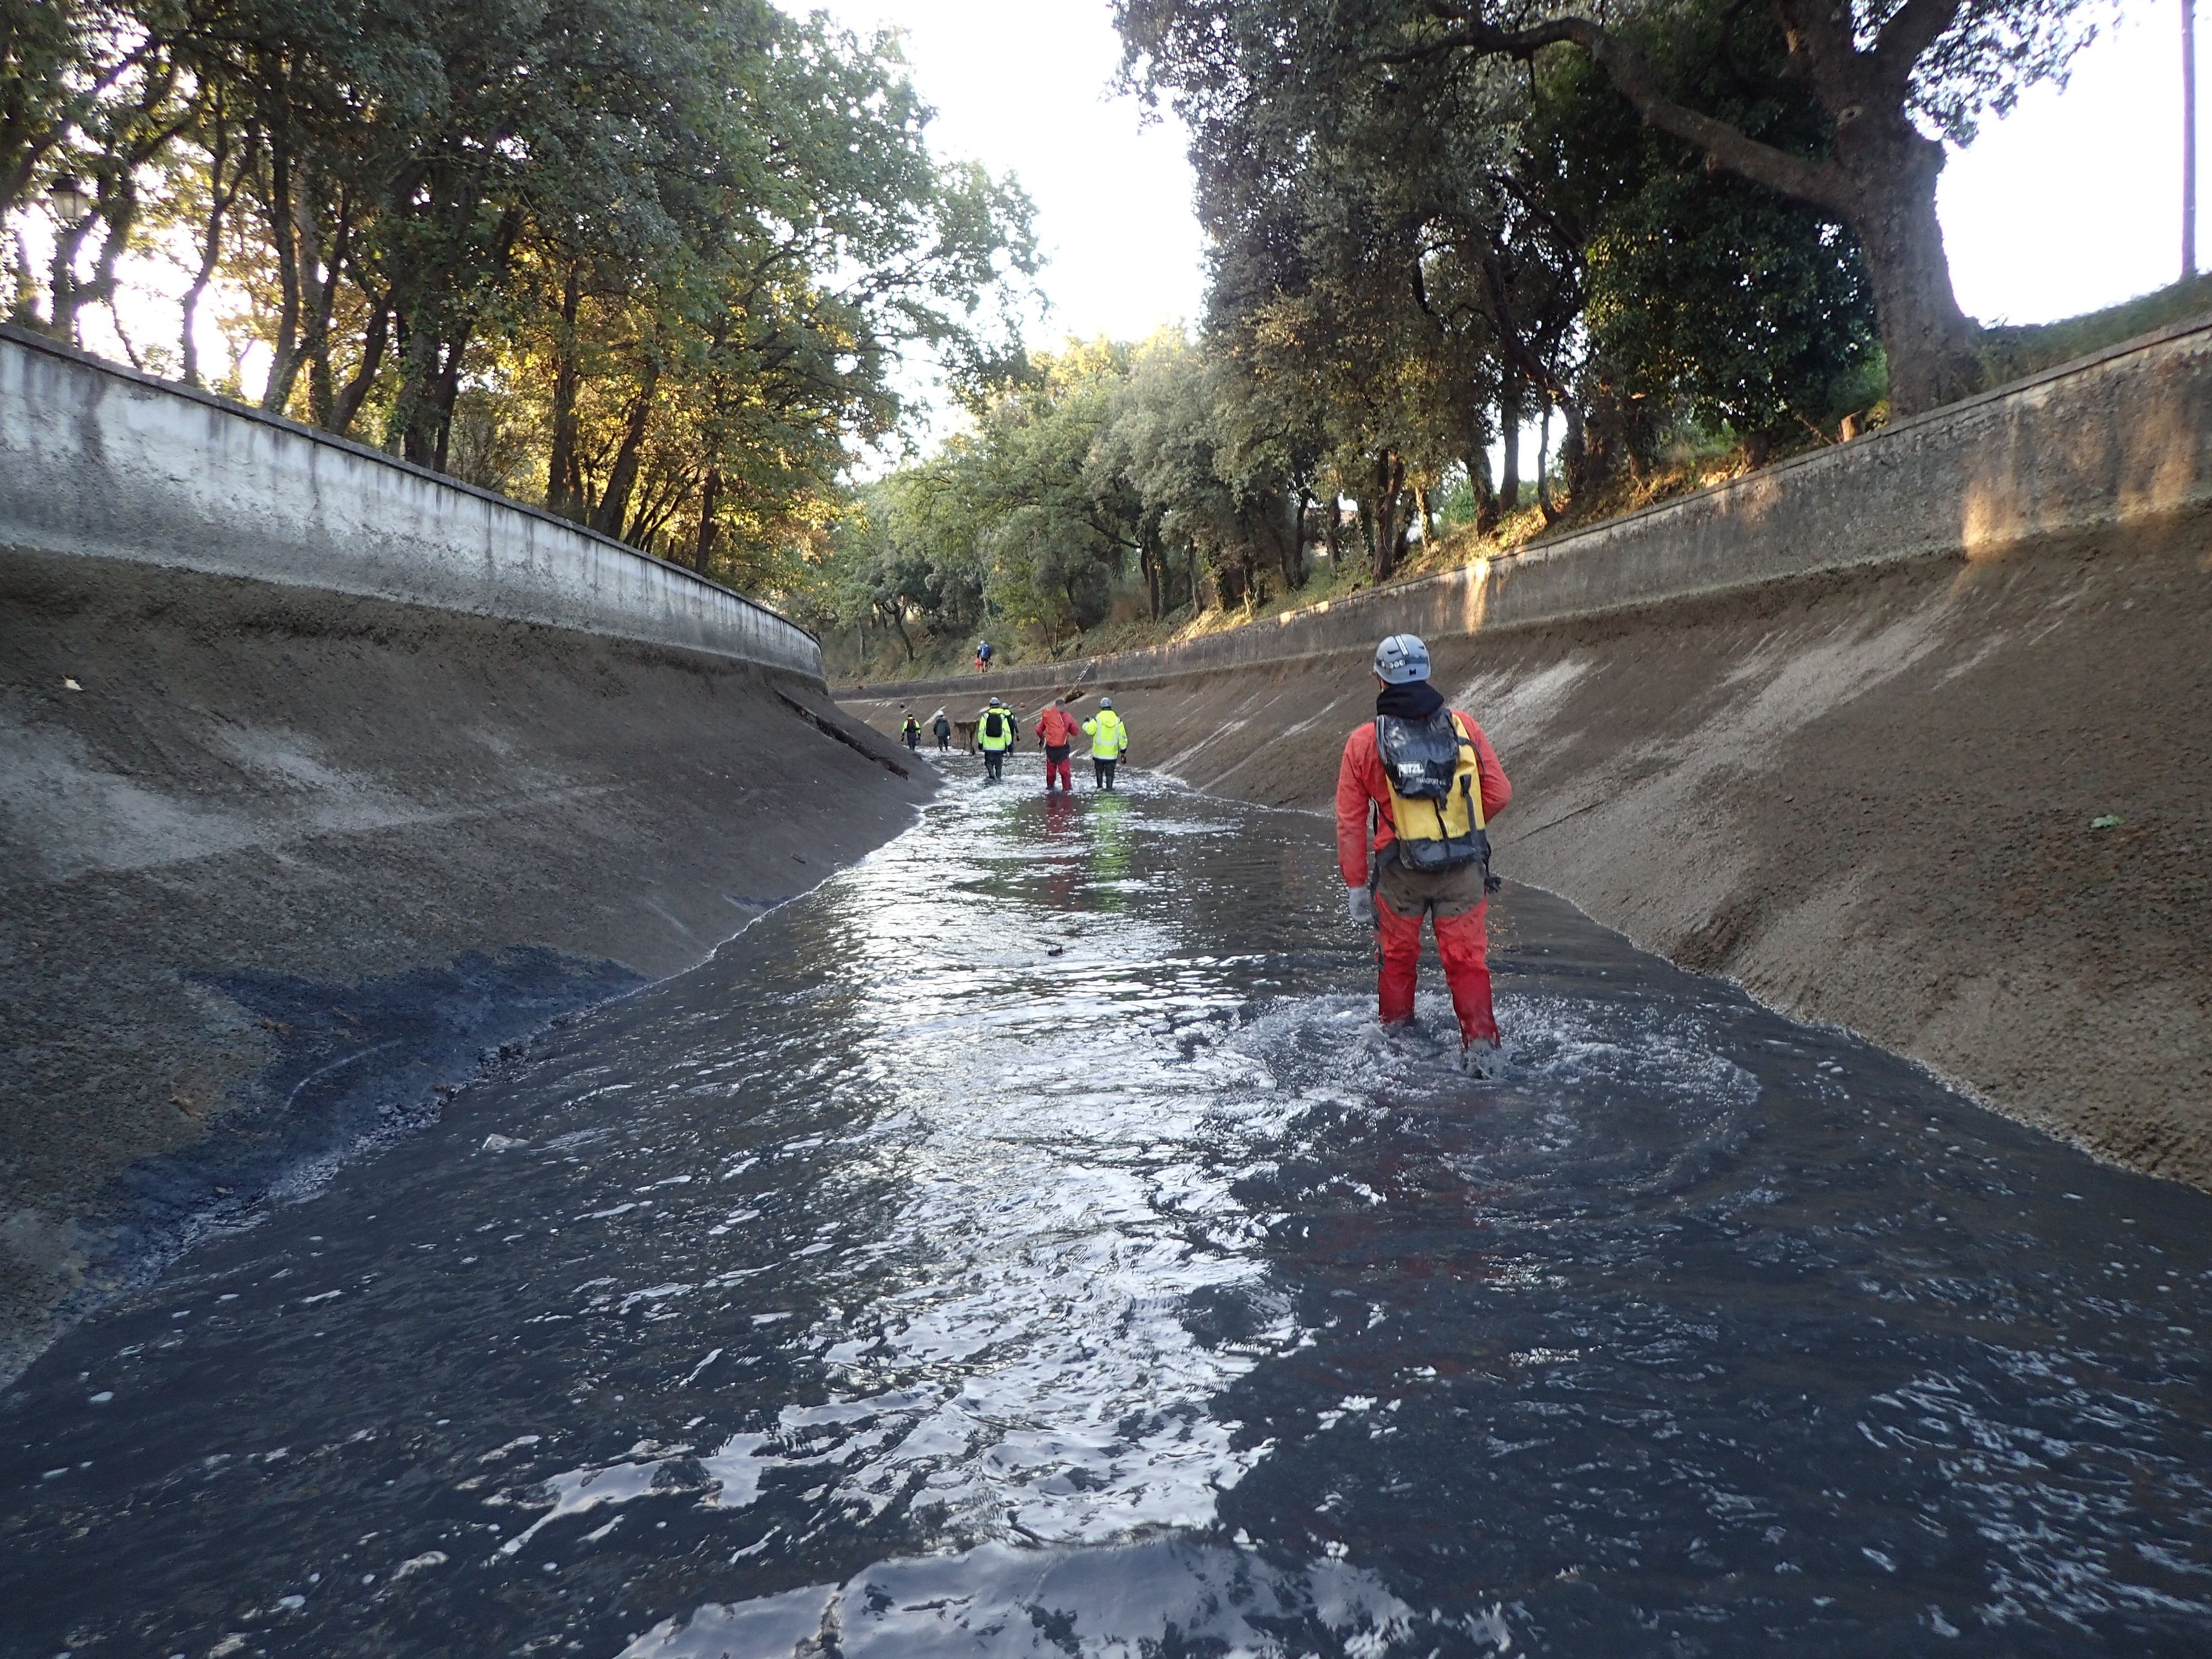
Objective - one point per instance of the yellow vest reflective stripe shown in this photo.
(1109, 737)
(1004, 719)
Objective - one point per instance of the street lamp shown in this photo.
(68, 200)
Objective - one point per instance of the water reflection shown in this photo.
(1027, 1244)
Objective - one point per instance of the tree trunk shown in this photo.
(448, 392)
(621, 477)
(563, 491)
(710, 502)
(1544, 463)
(1386, 514)
(323, 275)
(1294, 550)
(1485, 493)
(219, 204)
(1428, 506)
(1509, 422)
(1930, 342)
(1332, 528)
(62, 280)
(416, 415)
(347, 406)
(284, 363)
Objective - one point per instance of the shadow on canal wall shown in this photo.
(301, 821)
(1861, 782)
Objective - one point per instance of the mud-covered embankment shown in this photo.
(1866, 791)
(321, 778)
(290, 862)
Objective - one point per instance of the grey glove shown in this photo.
(1359, 905)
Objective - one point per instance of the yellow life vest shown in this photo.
(1109, 737)
(1434, 775)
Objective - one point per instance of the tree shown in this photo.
(1893, 78)
(1706, 294)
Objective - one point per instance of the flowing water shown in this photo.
(1027, 1244)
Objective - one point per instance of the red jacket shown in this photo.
(1359, 781)
(1056, 727)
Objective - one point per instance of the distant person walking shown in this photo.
(911, 731)
(1429, 779)
(983, 655)
(1109, 741)
(994, 735)
(942, 728)
(1056, 730)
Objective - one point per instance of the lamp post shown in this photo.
(2187, 139)
(71, 203)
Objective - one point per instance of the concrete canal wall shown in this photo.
(1840, 731)
(319, 776)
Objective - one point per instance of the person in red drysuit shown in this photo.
(1056, 730)
(1393, 898)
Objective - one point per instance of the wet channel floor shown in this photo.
(1026, 1245)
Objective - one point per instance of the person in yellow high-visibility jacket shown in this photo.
(995, 732)
(1109, 741)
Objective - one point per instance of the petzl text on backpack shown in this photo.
(1435, 782)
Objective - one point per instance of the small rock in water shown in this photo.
(501, 1143)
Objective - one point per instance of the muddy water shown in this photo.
(1026, 1245)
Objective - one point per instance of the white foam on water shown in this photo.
(1128, 1601)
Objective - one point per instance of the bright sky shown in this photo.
(2074, 202)
(1024, 87)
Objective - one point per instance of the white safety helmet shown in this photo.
(1105, 703)
(1401, 660)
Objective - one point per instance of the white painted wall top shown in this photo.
(96, 461)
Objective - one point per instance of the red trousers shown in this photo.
(1464, 944)
(1056, 763)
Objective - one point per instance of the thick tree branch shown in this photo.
(1822, 183)
(1917, 26)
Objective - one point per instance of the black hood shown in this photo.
(1414, 701)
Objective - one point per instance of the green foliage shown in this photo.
(653, 263)
(1708, 297)
(1153, 475)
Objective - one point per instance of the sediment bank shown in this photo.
(1863, 788)
(305, 810)
(290, 861)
